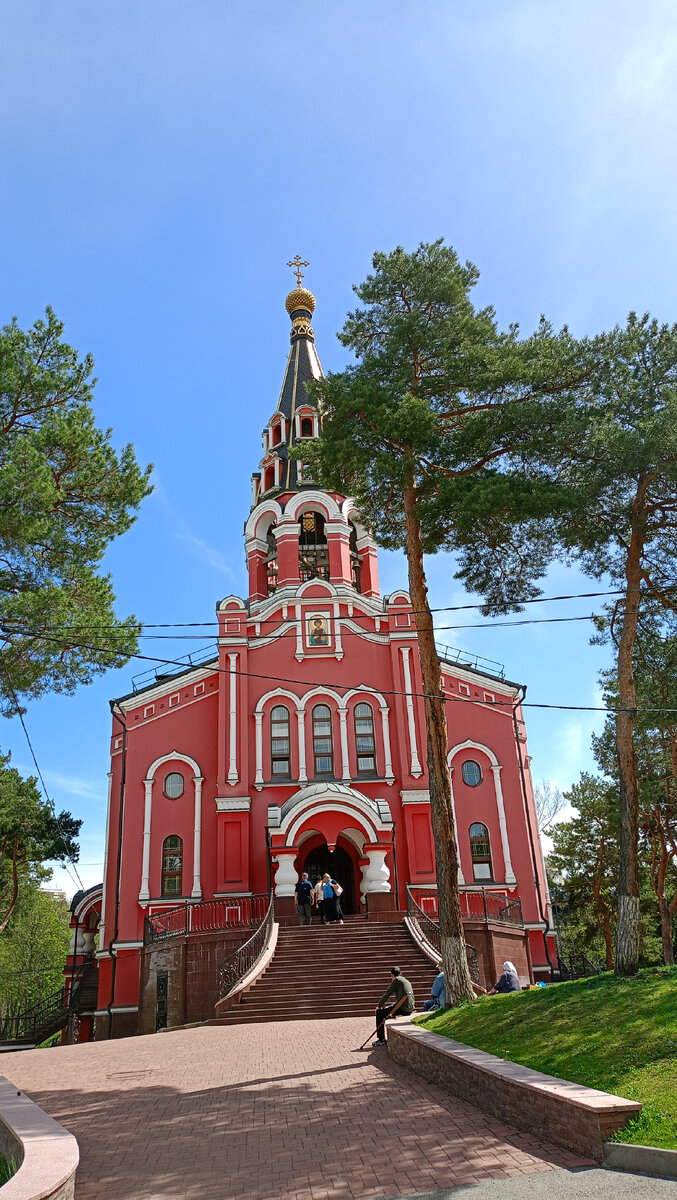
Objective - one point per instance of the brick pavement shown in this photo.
(267, 1112)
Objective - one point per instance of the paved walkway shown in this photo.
(268, 1112)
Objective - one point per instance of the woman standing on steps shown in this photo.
(332, 910)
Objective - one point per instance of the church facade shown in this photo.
(301, 744)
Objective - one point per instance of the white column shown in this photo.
(509, 873)
(102, 925)
(301, 719)
(299, 633)
(144, 894)
(364, 882)
(232, 733)
(386, 745)
(258, 780)
(415, 764)
(338, 645)
(285, 876)
(343, 725)
(197, 838)
(453, 813)
(378, 875)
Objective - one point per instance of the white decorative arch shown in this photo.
(304, 501)
(273, 695)
(328, 586)
(279, 694)
(198, 779)
(321, 690)
(257, 514)
(236, 601)
(360, 818)
(399, 595)
(496, 769)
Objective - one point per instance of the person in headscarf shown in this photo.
(508, 981)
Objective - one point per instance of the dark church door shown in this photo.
(339, 865)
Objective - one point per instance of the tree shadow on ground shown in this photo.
(309, 1136)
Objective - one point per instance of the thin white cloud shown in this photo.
(197, 545)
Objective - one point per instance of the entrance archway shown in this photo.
(337, 863)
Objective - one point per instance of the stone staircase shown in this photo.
(332, 971)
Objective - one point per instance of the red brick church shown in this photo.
(300, 745)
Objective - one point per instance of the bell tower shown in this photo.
(296, 532)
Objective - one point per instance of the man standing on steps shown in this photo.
(304, 899)
(403, 1002)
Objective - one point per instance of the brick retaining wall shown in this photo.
(579, 1118)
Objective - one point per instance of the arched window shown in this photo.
(271, 560)
(277, 435)
(364, 739)
(280, 763)
(313, 548)
(480, 852)
(268, 478)
(323, 749)
(354, 559)
(306, 426)
(471, 772)
(172, 863)
(173, 785)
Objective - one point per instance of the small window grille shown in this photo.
(172, 864)
(173, 785)
(471, 772)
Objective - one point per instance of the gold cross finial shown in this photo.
(296, 264)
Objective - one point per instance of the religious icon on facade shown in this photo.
(318, 631)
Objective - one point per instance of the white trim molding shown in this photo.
(415, 766)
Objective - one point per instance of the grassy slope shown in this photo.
(619, 1035)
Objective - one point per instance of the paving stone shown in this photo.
(267, 1112)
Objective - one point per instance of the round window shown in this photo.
(174, 785)
(471, 772)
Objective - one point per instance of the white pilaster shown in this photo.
(453, 813)
(197, 838)
(301, 719)
(299, 633)
(233, 776)
(415, 764)
(343, 725)
(509, 873)
(102, 924)
(385, 724)
(144, 894)
(258, 780)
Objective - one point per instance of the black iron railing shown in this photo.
(477, 904)
(430, 932)
(239, 964)
(577, 966)
(207, 916)
(47, 1016)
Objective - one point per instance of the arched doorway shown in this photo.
(337, 863)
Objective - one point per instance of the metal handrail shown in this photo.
(430, 932)
(242, 961)
(36, 1022)
(206, 916)
(479, 904)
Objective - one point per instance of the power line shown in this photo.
(367, 689)
(50, 802)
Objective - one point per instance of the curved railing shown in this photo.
(239, 964)
(47, 1016)
(430, 932)
(206, 916)
(477, 904)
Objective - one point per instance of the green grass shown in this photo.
(619, 1035)
(8, 1168)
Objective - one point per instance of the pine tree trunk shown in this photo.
(457, 981)
(627, 934)
(664, 909)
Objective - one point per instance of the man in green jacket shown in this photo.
(403, 1002)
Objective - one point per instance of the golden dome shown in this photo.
(300, 298)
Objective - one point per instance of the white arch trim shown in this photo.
(198, 778)
(257, 514)
(322, 691)
(318, 809)
(500, 804)
(277, 694)
(309, 583)
(306, 500)
(365, 693)
(470, 745)
(175, 754)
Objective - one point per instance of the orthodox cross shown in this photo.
(296, 264)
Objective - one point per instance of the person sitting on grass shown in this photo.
(508, 981)
(436, 992)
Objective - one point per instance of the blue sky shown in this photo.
(162, 161)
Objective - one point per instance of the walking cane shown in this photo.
(388, 1018)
